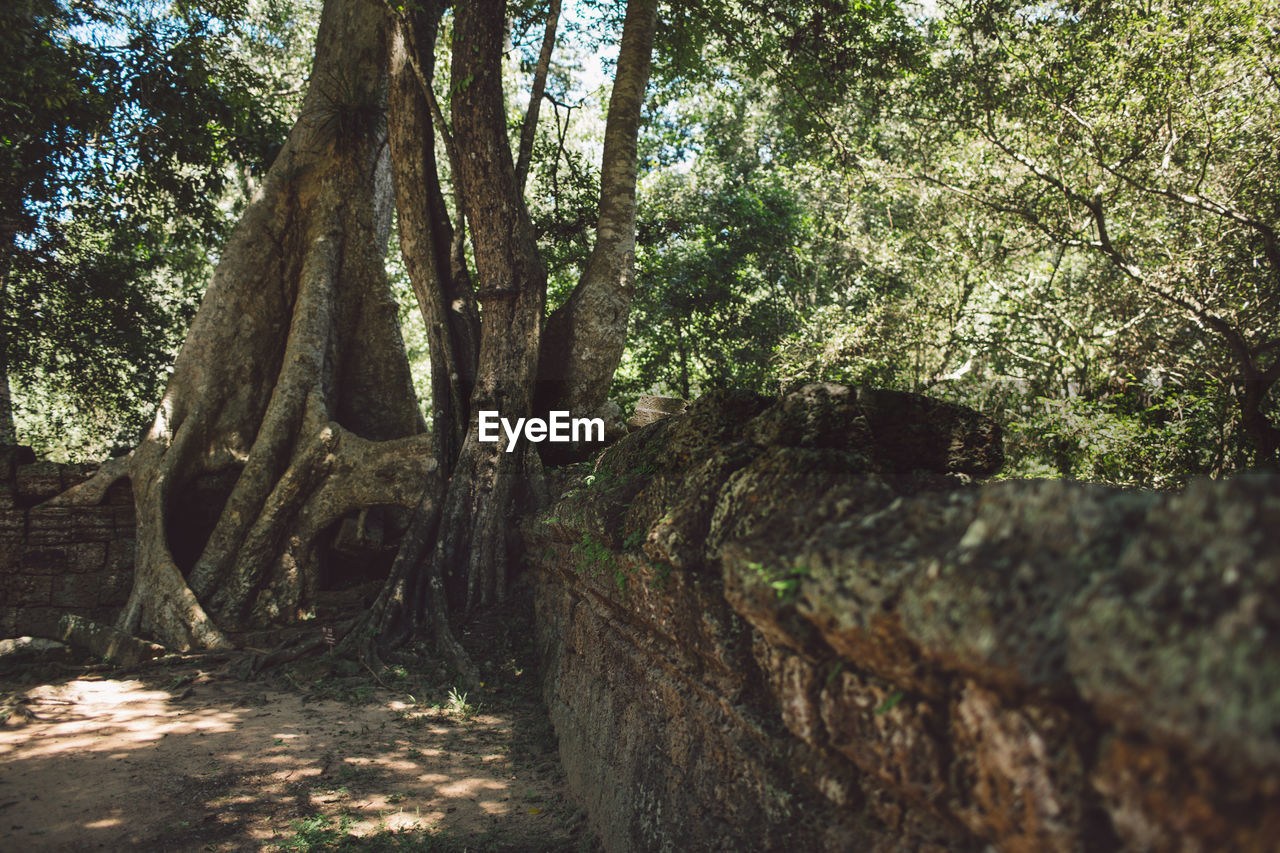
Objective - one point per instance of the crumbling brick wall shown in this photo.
(57, 560)
(791, 625)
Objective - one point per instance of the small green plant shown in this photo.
(179, 681)
(457, 703)
(634, 539)
(603, 477)
(786, 584)
(788, 587)
(835, 670)
(661, 574)
(319, 832)
(889, 703)
(408, 717)
(594, 555)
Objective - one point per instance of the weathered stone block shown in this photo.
(87, 557)
(1021, 666)
(885, 732)
(10, 558)
(76, 592)
(13, 525)
(11, 456)
(106, 642)
(115, 588)
(120, 494)
(39, 481)
(1197, 660)
(44, 561)
(59, 524)
(30, 590)
(1017, 774)
(120, 556)
(24, 651)
(38, 621)
(899, 430)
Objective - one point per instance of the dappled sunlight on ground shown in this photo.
(187, 760)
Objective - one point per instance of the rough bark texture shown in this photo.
(585, 336)
(292, 381)
(471, 550)
(789, 626)
(432, 253)
(8, 433)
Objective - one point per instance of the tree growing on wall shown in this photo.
(292, 389)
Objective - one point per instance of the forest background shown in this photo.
(1062, 214)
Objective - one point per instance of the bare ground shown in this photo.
(320, 756)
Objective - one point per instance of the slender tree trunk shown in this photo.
(1253, 400)
(469, 557)
(433, 257)
(530, 129)
(586, 335)
(8, 430)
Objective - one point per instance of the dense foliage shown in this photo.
(132, 133)
(1063, 213)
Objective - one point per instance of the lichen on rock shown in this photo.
(823, 609)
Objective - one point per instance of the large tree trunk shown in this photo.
(511, 288)
(293, 376)
(468, 560)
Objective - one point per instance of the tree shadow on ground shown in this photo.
(312, 757)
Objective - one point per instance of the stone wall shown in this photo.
(58, 560)
(797, 625)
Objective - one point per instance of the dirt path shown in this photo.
(181, 758)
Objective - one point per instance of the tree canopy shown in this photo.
(1063, 214)
(133, 132)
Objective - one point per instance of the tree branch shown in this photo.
(530, 128)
